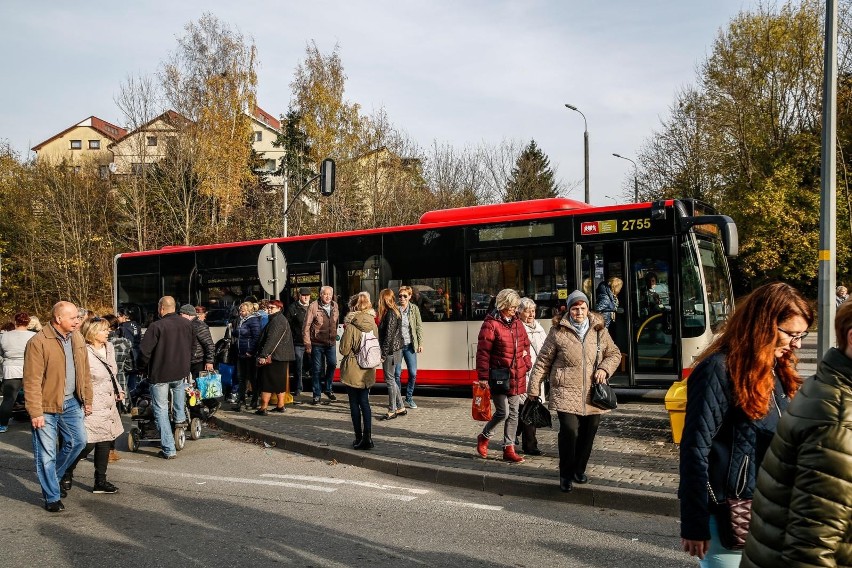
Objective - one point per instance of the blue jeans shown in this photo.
(323, 354)
(298, 369)
(359, 407)
(410, 356)
(160, 398)
(50, 463)
(718, 556)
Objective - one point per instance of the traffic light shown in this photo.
(327, 177)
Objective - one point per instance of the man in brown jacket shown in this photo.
(320, 337)
(58, 393)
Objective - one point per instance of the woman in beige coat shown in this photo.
(103, 425)
(578, 352)
(358, 381)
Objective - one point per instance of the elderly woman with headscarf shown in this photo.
(577, 353)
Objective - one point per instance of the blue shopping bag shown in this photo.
(209, 384)
(227, 372)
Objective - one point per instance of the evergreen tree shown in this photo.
(532, 177)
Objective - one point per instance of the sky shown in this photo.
(458, 72)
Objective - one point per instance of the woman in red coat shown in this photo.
(503, 344)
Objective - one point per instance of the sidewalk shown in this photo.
(634, 464)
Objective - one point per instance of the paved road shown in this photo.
(228, 503)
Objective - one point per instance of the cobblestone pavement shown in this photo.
(633, 448)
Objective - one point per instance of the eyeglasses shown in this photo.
(793, 337)
(404, 296)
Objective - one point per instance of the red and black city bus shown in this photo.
(457, 260)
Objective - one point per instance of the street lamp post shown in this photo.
(635, 177)
(585, 148)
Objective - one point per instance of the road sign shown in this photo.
(272, 269)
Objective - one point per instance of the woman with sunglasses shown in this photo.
(412, 339)
(735, 396)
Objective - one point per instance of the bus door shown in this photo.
(655, 336)
(603, 268)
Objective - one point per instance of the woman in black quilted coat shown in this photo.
(735, 397)
(390, 339)
(801, 512)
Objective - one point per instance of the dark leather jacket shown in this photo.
(720, 444)
(390, 333)
(800, 515)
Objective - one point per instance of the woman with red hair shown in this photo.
(735, 396)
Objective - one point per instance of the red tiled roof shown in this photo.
(266, 118)
(108, 129)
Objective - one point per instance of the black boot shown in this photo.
(358, 437)
(366, 442)
(103, 486)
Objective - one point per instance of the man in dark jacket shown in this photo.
(801, 509)
(166, 350)
(202, 342)
(296, 317)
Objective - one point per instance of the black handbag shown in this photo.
(498, 380)
(536, 414)
(604, 397)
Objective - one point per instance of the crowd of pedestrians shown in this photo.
(755, 432)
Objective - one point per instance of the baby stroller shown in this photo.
(202, 401)
(144, 427)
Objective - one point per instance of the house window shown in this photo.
(151, 140)
(94, 144)
(270, 165)
(103, 172)
(76, 144)
(136, 168)
(258, 136)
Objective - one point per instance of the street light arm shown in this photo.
(575, 109)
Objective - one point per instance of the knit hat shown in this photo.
(188, 309)
(576, 296)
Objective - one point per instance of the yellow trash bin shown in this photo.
(676, 405)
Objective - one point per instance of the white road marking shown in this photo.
(196, 477)
(473, 505)
(394, 497)
(336, 481)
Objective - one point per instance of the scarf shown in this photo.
(581, 328)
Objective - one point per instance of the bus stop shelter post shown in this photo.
(828, 186)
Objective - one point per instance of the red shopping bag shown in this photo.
(481, 403)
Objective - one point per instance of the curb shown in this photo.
(633, 500)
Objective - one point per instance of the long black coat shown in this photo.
(277, 335)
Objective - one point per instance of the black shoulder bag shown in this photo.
(499, 378)
(602, 394)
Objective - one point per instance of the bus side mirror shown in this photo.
(730, 239)
(327, 181)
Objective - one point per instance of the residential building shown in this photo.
(265, 131)
(82, 143)
(146, 145)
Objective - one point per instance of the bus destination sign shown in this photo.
(621, 225)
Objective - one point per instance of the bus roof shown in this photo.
(475, 215)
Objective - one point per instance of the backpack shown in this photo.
(369, 354)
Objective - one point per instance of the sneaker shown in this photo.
(410, 403)
(66, 482)
(315, 401)
(261, 412)
(330, 396)
(166, 456)
(277, 409)
(3, 429)
(54, 507)
(104, 487)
